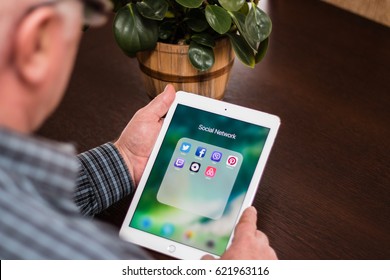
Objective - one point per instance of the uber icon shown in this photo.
(195, 166)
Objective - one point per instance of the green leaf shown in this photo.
(218, 19)
(244, 9)
(196, 20)
(201, 57)
(153, 9)
(204, 39)
(197, 25)
(190, 3)
(133, 32)
(232, 5)
(239, 20)
(258, 24)
(242, 50)
(262, 50)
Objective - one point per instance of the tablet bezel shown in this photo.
(172, 248)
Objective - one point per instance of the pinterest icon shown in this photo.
(232, 161)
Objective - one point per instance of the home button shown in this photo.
(171, 248)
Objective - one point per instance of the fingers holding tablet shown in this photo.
(246, 227)
(159, 106)
(248, 243)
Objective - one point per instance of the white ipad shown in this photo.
(203, 171)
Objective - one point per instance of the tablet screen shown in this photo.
(199, 179)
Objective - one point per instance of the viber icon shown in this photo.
(216, 156)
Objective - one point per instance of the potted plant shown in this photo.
(191, 43)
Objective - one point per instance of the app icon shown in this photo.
(200, 152)
(195, 166)
(167, 230)
(216, 156)
(210, 171)
(146, 223)
(185, 147)
(179, 163)
(232, 161)
(188, 235)
(210, 244)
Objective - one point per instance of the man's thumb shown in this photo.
(160, 105)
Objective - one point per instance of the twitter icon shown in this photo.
(185, 147)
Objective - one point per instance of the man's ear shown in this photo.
(35, 36)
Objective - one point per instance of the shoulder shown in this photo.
(10, 181)
(34, 227)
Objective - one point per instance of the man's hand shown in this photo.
(137, 139)
(248, 243)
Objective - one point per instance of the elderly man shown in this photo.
(44, 188)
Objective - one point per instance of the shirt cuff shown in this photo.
(103, 179)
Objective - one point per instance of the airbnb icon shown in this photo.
(210, 171)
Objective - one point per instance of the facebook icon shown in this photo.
(200, 152)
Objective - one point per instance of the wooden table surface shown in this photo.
(325, 190)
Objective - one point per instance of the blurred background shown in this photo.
(376, 10)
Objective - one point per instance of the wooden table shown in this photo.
(325, 190)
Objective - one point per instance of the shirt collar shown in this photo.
(47, 163)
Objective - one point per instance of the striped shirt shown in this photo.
(43, 191)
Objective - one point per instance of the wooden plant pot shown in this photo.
(169, 63)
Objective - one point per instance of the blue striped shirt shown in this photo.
(43, 191)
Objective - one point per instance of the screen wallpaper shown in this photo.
(200, 178)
